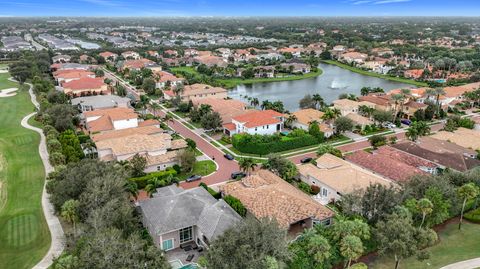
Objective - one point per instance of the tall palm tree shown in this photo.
(154, 106)
(397, 98)
(247, 165)
(319, 102)
(425, 206)
(329, 115)
(430, 92)
(438, 92)
(254, 102)
(266, 105)
(290, 119)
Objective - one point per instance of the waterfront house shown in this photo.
(304, 117)
(263, 122)
(198, 91)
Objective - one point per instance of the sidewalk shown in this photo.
(468, 264)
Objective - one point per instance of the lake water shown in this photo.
(333, 81)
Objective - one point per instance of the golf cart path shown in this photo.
(468, 264)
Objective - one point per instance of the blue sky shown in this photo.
(239, 8)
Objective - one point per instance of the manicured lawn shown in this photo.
(24, 235)
(5, 83)
(201, 168)
(232, 82)
(454, 246)
(372, 74)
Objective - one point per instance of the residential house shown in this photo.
(296, 67)
(337, 177)
(131, 55)
(306, 116)
(444, 153)
(413, 73)
(153, 53)
(85, 86)
(353, 57)
(381, 102)
(89, 103)
(359, 120)
(109, 56)
(70, 66)
(110, 119)
(265, 195)
(463, 137)
(199, 91)
(227, 108)
(347, 106)
(210, 60)
(456, 93)
(175, 217)
(61, 58)
(164, 78)
(137, 65)
(62, 76)
(392, 163)
(263, 122)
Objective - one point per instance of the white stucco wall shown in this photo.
(124, 124)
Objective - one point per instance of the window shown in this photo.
(167, 244)
(255, 129)
(324, 192)
(186, 234)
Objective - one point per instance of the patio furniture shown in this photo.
(187, 248)
(190, 257)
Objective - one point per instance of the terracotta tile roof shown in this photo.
(229, 126)
(197, 89)
(150, 122)
(126, 132)
(107, 54)
(84, 83)
(136, 143)
(442, 152)
(106, 118)
(402, 156)
(259, 118)
(463, 137)
(359, 119)
(168, 157)
(416, 105)
(72, 74)
(99, 125)
(346, 103)
(342, 176)
(226, 108)
(137, 64)
(266, 195)
(164, 76)
(384, 165)
(305, 116)
(377, 100)
(456, 91)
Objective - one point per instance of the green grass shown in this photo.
(5, 83)
(454, 246)
(232, 82)
(372, 74)
(201, 168)
(24, 235)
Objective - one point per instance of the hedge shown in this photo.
(236, 205)
(250, 144)
(473, 216)
(216, 195)
(143, 181)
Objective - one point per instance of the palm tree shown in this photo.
(178, 90)
(254, 102)
(154, 106)
(132, 188)
(429, 92)
(152, 185)
(328, 115)
(438, 92)
(397, 98)
(247, 165)
(290, 119)
(319, 102)
(426, 207)
(266, 105)
(69, 212)
(467, 192)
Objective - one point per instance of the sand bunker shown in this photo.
(8, 92)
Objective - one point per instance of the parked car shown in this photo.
(306, 160)
(389, 125)
(238, 174)
(193, 178)
(406, 122)
(228, 157)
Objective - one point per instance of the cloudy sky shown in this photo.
(240, 8)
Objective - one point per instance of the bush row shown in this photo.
(163, 176)
(243, 143)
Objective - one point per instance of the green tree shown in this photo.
(70, 213)
(343, 124)
(466, 192)
(236, 205)
(247, 165)
(250, 244)
(211, 121)
(314, 130)
(186, 159)
(327, 148)
(191, 143)
(424, 206)
(281, 166)
(382, 116)
(351, 247)
(138, 164)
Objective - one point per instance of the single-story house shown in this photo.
(85, 86)
(89, 103)
(263, 122)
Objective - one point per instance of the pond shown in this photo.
(333, 81)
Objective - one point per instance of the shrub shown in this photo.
(359, 265)
(48, 128)
(304, 187)
(315, 189)
(216, 195)
(264, 144)
(236, 205)
(227, 139)
(473, 216)
(83, 138)
(377, 140)
(177, 168)
(162, 175)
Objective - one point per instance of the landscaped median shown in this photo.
(372, 74)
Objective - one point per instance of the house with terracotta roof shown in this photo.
(110, 119)
(305, 116)
(359, 120)
(265, 195)
(85, 86)
(381, 102)
(137, 65)
(413, 73)
(61, 58)
(109, 56)
(131, 55)
(387, 162)
(296, 67)
(227, 108)
(211, 60)
(443, 153)
(347, 106)
(198, 91)
(463, 137)
(456, 93)
(153, 53)
(262, 122)
(337, 177)
(164, 78)
(62, 76)
(353, 57)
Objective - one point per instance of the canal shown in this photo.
(333, 82)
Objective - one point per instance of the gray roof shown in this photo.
(100, 101)
(173, 208)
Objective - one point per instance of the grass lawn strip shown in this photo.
(454, 246)
(24, 234)
(202, 168)
(372, 74)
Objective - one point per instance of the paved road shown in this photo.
(56, 231)
(130, 89)
(468, 264)
(224, 166)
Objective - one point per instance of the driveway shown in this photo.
(224, 166)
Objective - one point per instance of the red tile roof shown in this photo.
(84, 83)
(259, 118)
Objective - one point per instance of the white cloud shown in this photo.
(390, 1)
(102, 2)
(361, 2)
